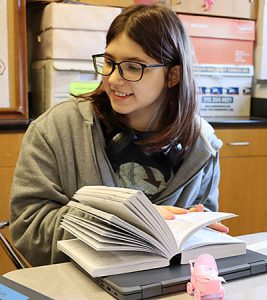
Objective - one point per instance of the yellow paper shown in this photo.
(78, 88)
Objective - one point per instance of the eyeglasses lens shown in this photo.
(103, 65)
(131, 71)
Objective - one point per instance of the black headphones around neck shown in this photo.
(123, 139)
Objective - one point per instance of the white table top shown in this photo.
(66, 282)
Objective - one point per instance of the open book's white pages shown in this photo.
(112, 207)
(127, 204)
(207, 236)
(226, 245)
(187, 224)
(105, 243)
(131, 206)
(117, 223)
(138, 203)
(98, 263)
(103, 229)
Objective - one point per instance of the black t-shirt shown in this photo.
(136, 169)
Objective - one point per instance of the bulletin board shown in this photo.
(13, 60)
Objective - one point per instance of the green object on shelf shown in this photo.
(78, 88)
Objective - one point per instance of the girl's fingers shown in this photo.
(175, 210)
(219, 227)
(169, 212)
(197, 208)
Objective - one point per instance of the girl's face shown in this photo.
(140, 101)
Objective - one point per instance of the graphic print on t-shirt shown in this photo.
(146, 178)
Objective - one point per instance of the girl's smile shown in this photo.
(121, 95)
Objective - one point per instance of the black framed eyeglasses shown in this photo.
(129, 70)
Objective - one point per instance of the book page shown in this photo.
(109, 263)
(104, 242)
(114, 220)
(102, 229)
(187, 224)
(142, 206)
(207, 236)
(115, 208)
(135, 202)
(105, 228)
(207, 240)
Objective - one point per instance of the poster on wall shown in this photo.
(4, 72)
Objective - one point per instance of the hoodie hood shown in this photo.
(207, 134)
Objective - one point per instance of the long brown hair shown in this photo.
(161, 35)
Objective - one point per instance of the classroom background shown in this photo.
(45, 55)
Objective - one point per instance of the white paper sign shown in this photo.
(4, 76)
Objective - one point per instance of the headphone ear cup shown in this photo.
(173, 153)
(119, 144)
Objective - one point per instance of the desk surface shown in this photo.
(66, 282)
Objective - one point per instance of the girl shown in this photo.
(140, 129)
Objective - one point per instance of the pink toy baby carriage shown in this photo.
(205, 281)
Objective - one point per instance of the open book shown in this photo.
(123, 232)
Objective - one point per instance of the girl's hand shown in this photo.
(169, 212)
(216, 226)
(219, 227)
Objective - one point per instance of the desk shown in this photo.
(66, 282)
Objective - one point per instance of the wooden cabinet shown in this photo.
(243, 184)
(244, 9)
(10, 144)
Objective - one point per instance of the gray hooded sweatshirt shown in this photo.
(62, 151)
